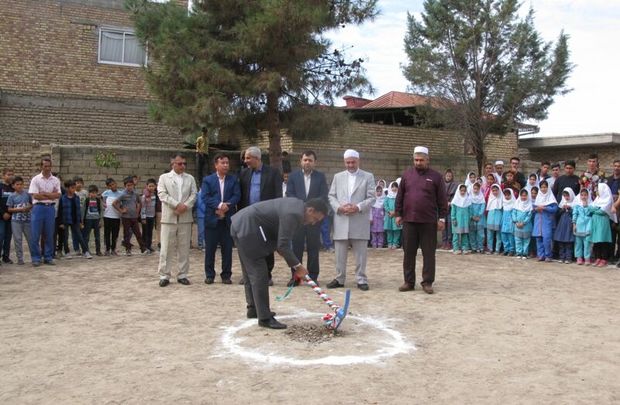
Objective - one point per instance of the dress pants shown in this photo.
(175, 238)
(360, 250)
(42, 221)
(310, 237)
(256, 276)
(418, 235)
(214, 236)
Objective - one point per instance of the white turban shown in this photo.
(350, 153)
(499, 162)
(420, 149)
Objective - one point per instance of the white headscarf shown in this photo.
(495, 203)
(468, 182)
(476, 198)
(571, 197)
(528, 186)
(461, 201)
(378, 200)
(577, 201)
(390, 193)
(521, 205)
(544, 199)
(604, 200)
(508, 203)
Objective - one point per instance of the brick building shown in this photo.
(72, 84)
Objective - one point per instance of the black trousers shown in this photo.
(111, 227)
(308, 236)
(220, 235)
(147, 232)
(418, 235)
(601, 250)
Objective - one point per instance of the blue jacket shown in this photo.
(212, 197)
(69, 210)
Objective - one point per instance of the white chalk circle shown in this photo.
(388, 345)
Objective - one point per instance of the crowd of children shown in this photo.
(493, 217)
(82, 212)
(384, 231)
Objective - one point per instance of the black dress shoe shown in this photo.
(292, 282)
(271, 323)
(208, 280)
(164, 282)
(183, 281)
(226, 281)
(253, 315)
(334, 284)
(363, 287)
(270, 283)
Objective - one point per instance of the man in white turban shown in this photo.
(351, 196)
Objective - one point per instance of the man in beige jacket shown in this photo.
(177, 192)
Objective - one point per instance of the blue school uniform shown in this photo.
(508, 229)
(494, 227)
(544, 225)
(582, 221)
(522, 235)
(476, 228)
(563, 234)
(460, 217)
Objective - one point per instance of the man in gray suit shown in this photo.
(351, 196)
(258, 231)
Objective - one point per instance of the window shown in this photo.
(120, 47)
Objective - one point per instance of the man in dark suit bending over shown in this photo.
(258, 231)
(306, 184)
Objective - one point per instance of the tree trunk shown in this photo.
(273, 126)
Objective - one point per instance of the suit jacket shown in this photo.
(295, 187)
(270, 185)
(167, 192)
(356, 226)
(211, 194)
(267, 226)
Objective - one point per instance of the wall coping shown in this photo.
(570, 141)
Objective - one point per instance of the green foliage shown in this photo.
(107, 160)
(489, 67)
(242, 64)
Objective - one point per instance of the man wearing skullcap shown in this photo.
(351, 196)
(421, 207)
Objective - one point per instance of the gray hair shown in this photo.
(254, 151)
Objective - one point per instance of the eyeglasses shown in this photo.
(181, 163)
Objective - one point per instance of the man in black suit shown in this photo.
(306, 184)
(259, 182)
(258, 231)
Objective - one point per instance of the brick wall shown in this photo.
(51, 46)
(386, 149)
(70, 120)
(606, 154)
(79, 160)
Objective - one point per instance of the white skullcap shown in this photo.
(499, 162)
(420, 149)
(350, 153)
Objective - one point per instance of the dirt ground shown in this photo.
(497, 330)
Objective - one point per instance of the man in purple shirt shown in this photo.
(421, 207)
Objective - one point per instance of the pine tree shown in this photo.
(249, 65)
(489, 68)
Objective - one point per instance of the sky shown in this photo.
(594, 30)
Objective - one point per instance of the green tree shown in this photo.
(248, 65)
(488, 68)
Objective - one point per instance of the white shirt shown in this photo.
(178, 180)
(222, 182)
(307, 178)
(351, 184)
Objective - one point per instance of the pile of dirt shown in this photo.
(311, 333)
